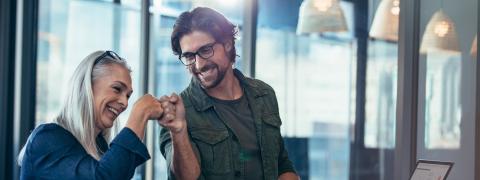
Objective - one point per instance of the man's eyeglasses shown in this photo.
(109, 54)
(204, 52)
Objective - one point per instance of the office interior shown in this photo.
(365, 87)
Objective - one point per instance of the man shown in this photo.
(232, 128)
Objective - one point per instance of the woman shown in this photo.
(75, 145)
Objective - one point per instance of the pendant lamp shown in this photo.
(317, 16)
(385, 22)
(440, 35)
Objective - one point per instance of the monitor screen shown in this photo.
(431, 170)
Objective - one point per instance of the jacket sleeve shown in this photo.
(55, 153)
(166, 150)
(284, 163)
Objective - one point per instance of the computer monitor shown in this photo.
(431, 170)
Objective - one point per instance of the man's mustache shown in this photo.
(204, 68)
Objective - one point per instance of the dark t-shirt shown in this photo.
(238, 116)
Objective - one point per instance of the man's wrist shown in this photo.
(179, 133)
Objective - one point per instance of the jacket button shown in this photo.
(237, 173)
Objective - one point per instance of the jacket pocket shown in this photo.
(214, 148)
(272, 120)
(271, 134)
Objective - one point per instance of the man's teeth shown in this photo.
(206, 72)
(113, 110)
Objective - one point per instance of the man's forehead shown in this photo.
(195, 40)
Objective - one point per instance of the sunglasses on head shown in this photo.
(107, 54)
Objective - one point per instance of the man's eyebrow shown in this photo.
(203, 46)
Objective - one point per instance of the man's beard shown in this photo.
(207, 67)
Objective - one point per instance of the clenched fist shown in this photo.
(174, 113)
(147, 107)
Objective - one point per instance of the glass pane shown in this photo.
(170, 74)
(442, 102)
(381, 97)
(314, 106)
(446, 107)
(311, 103)
(137, 4)
(315, 79)
(67, 35)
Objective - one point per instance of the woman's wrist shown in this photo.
(137, 122)
(139, 116)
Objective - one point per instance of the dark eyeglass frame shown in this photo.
(198, 52)
(109, 54)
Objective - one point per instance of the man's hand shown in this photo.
(174, 114)
(184, 163)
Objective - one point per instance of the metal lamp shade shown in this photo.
(317, 16)
(385, 22)
(440, 35)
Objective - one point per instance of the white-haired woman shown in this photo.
(75, 145)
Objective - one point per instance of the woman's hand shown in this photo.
(147, 107)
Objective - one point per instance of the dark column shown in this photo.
(28, 70)
(7, 76)
(363, 162)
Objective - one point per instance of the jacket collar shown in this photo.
(202, 101)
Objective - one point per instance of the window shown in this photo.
(381, 97)
(443, 110)
(315, 79)
(67, 35)
(446, 84)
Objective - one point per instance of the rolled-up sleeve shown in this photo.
(166, 150)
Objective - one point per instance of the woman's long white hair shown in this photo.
(77, 115)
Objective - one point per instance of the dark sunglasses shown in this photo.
(107, 54)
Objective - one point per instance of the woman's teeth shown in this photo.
(114, 111)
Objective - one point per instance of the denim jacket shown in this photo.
(54, 153)
(215, 144)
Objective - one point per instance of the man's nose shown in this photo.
(199, 62)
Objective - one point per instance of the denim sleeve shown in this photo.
(54, 153)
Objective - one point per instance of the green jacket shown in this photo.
(217, 147)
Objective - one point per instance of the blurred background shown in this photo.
(365, 87)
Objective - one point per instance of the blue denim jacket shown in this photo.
(53, 153)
